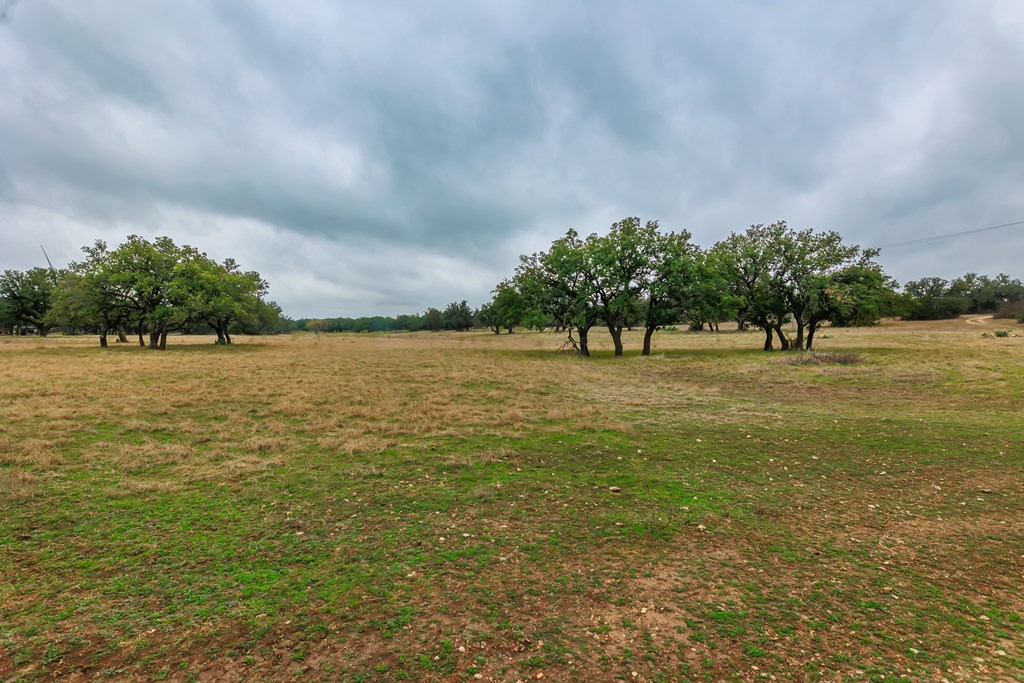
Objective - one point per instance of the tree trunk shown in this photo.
(811, 327)
(799, 344)
(103, 339)
(163, 339)
(584, 348)
(768, 338)
(154, 338)
(783, 340)
(227, 335)
(616, 332)
(648, 333)
(122, 336)
(142, 341)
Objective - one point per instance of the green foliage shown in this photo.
(155, 287)
(683, 284)
(457, 316)
(766, 276)
(26, 297)
(777, 274)
(8, 320)
(559, 286)
(433, 320)
(620, 265)
(987, 294)
(376, 323)
(633, 275)
(506, 310)
(750, 263)
(858, 296)
(934, 298)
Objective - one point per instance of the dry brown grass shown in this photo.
(351, 440)
(365, 392)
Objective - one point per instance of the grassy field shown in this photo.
(441, 507)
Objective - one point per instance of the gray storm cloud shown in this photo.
(377, 159)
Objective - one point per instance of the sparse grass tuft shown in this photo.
(826, 358)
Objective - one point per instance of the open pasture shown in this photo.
(439, 507)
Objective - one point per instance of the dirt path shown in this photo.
(979, 320)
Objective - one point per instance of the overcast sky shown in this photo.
(379, 158)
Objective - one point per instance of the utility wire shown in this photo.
(936, 238)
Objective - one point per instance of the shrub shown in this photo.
(1010, 310)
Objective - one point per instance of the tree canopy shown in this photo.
(26, 297)
(767, 276)
(153, 288)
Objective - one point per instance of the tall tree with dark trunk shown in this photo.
(90, 295)
(619, 264)
(559, 285)
(750, 262)
(216, 294)
(808, 263)
(671, 281)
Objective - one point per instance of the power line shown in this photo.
(936, 238)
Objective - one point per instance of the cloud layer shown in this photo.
(377, 159)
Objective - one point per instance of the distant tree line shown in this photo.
(934, 298)
(456, 316)
(144, 288)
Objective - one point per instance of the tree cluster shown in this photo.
(151, 288)
(636, 275)
(933, 298)
(26, 298)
